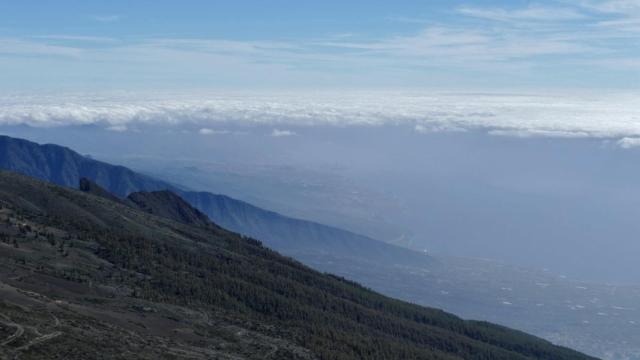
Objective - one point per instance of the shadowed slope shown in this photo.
(167, 204)
(63, 166)
(91, 187)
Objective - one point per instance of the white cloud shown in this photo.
(629, 142)
(605, 115)
(531, 13)
(408, 19)
(282, 133)
(628, 25)
(612, 6)
(13, 46)
(84, 38)
(207, 131)
(422, 129)
(107, 18)
(118, 128)
(427, 129)
(469, 47)
(529, 133)
(620, 17)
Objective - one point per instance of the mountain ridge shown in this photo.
(63, 166)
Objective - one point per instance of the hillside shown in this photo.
(169, 205)
(65, 167)
(293, 236)
(82, 275)
(91, 187)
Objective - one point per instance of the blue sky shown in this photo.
(461, 45)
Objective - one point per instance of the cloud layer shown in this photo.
(614, 115)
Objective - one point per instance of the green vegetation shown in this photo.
(180, 291)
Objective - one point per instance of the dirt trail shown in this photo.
(5, 320)
(56, 321)
(39, 340)
(17, 334)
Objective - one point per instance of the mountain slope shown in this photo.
(91, 187)
(65, 167)
(167, 204)
(295, 236)
(82, 275)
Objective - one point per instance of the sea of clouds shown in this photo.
(614, 116)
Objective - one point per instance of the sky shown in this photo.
(453, 45)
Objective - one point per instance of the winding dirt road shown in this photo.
(17, 334)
